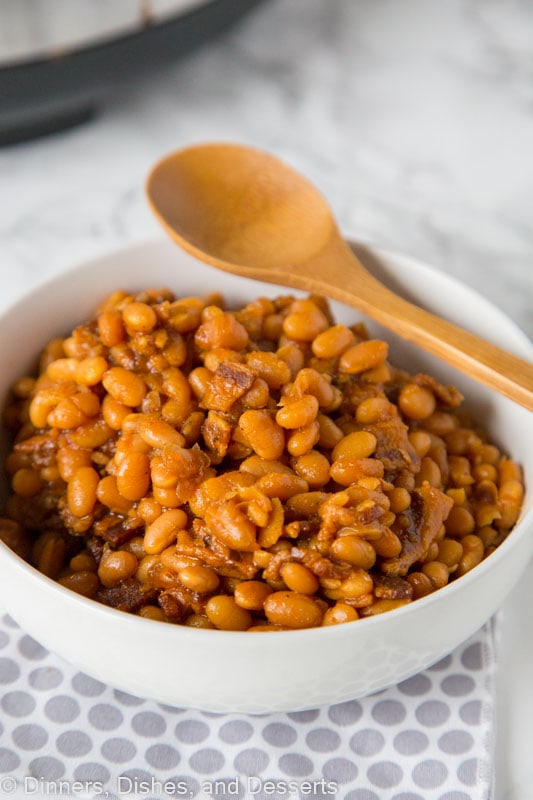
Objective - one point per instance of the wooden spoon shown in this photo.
(246, 212)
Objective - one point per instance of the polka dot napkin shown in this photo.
(64, 734)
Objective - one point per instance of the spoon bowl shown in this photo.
(246, 212)
(197, 192)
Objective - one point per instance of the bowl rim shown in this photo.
(169, 631)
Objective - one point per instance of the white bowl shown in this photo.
(226, 671)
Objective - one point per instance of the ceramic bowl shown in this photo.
(222, 671)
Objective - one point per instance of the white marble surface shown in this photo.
(415, 118)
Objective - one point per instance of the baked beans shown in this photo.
(260, 468)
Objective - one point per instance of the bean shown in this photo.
(420, 584)
(272, 369)
(229, 524)
(460, 522)
(49, 554)
(66, 414)
(258, 395)
(184, 318)
(382, 606)
(388, 545)
(91, 435)
(114, 412)
(298, 413)
(262, 433)
(509, 471)
(313, 467)
(70, 459)
(148, 509)
(153, 612)
(473, 552)
(358, 583)
(431, 553)
(306, 503)
(111, 328)
(310, 381)
(135, 545)
(332, 342)
(83, 582)
(108, 494)
(511, 496)
(90, 371)
(261, 466)
(329, 433)
(485, 472)
(356, 445)
(199, 380)
(81, 491)
(460, 471)
(199, 579)
(293, 356)
(26, 482)
(157, 433)
(441, 423)
(488, 536)
(87, 402)
(374, 409)
(145, 568)
(305, 322)
(363, 356)
(252, 594)
(83, 562)
(24, 387)
(292, 610)
(421, 442)
(303, 439)
(125, 386)
(62, 370)
(282, 484)
(339, 614)
(299, 578)
(462, 441)
(450, 552)
(115, 566)
(52, 351)
(437, 572)
(139, 317)
(133, 475)
(199, 621)
(354, 550)
(429, 473)
(416, 402)
(225, 614)
(163, 530)
(400, 499)
(222, 330)
(346, 470)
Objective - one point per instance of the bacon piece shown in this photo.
(447, 396)
(428, 510)
(393, 447)
(127, 596)
(229, 383)
(116, 531)
(217, 435)
(41, 447)
(392, 587)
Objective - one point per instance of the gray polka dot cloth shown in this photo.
(63, 733)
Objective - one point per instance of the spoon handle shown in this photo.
(337, 273)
